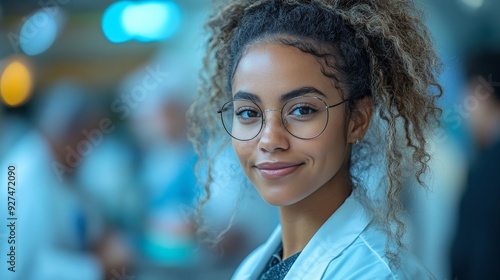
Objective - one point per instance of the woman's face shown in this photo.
(285, 169)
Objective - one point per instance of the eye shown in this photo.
(247, 114)
(302, 110)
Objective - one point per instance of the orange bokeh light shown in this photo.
(16, 84)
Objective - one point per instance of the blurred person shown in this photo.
(169, 178)
(116, 194)
(476, 248)
(165, 173)
(431, 211)
(294, 84)
(116, 197)
(56, 225)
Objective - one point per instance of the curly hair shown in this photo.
(378, 49)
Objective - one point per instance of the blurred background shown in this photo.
(92, 102)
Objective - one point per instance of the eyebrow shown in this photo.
(285, 97)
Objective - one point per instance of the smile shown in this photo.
(277, 170)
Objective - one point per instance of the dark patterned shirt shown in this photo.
(276, 269)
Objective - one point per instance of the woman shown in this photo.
(298, 84)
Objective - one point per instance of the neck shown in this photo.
(300, 221)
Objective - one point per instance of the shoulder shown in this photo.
(365, 259)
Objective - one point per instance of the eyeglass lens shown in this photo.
(303, 117)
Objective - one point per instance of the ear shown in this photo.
(360, 119)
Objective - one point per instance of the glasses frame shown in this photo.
(263, 119)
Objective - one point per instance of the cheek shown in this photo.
(243, 150)
(331, 146)
(329, 150)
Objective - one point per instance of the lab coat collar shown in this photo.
(332, 238)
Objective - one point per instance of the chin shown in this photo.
(278, 198)
(277, 202)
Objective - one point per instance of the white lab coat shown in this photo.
(43, 210)
(347, 246)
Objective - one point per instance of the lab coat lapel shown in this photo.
(254, 265)
(333, 237)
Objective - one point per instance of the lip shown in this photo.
(276, 170)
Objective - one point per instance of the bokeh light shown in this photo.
(16, 84)
(111, 23)
(40, 31)
(474, 4)
(141, 21)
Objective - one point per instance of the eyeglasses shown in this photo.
(304, 117)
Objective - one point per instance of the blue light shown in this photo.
(38, 32)
(141, 21)
(111, 23)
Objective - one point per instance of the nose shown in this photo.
(273, 136)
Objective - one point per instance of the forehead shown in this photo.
(272, 69)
